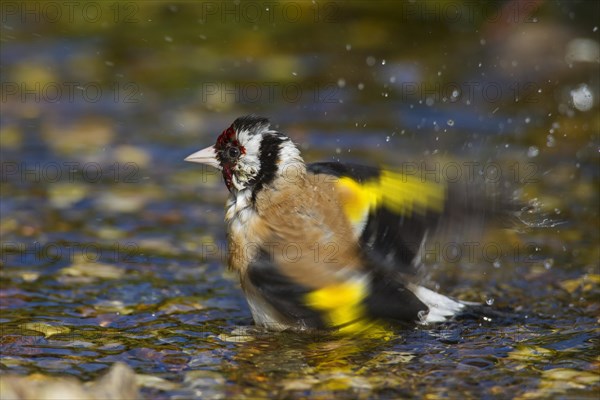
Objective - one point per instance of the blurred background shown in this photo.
(113, 248)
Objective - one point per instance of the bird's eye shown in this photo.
(233, 152)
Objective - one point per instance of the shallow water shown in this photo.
(113, 248)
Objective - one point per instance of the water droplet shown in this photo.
(490, 301)
(387, 138)
(497, 264)
(450, 122)
(548, 263)
(532, 151)
(582, 98)
(383, 62)
(527, 120)
(361, 86)
(341, 82)
(295, 73)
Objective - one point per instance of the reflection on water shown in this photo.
(113, 248)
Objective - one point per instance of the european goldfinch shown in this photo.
(327, 245)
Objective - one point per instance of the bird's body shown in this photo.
(325, 245)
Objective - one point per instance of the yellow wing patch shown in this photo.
(342, 302)
(344, 309)
(357, 199)
(401, 194)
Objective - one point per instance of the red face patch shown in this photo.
(228, 136)
(225, 142)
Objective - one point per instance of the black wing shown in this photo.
(394, 242)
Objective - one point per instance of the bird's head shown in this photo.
(250, 154)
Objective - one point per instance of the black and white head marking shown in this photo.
(264, 154)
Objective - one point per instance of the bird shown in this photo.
(329, 245)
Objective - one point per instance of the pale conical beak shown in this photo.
(205, 156)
